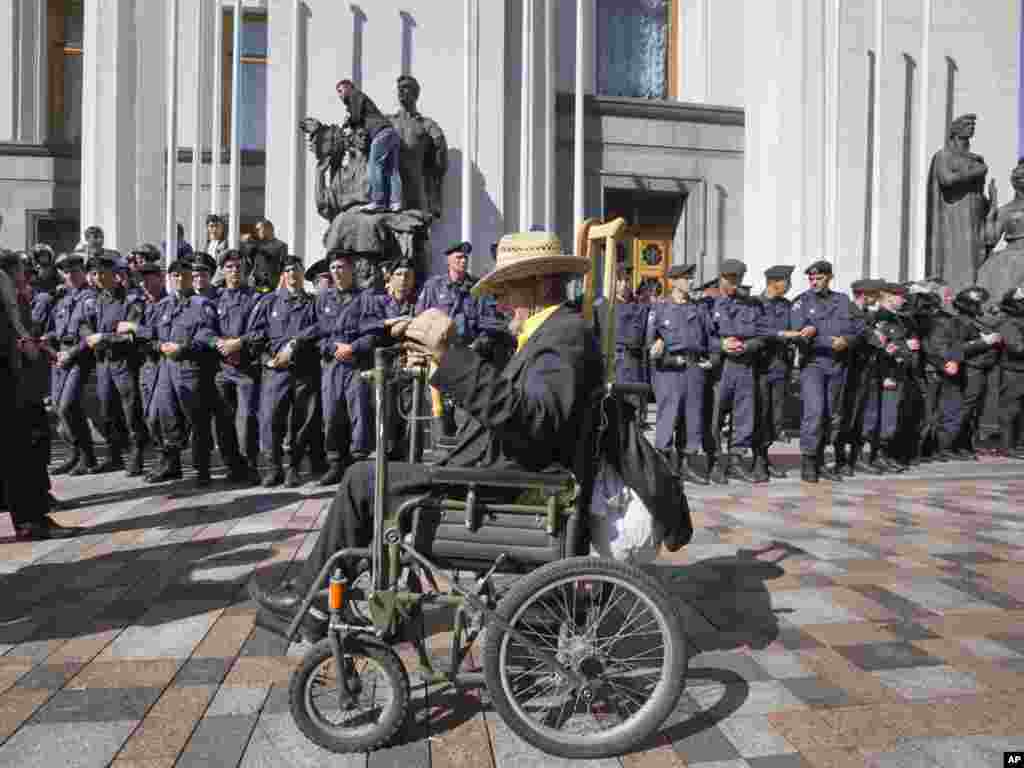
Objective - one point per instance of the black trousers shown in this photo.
(28, 482)
(1011, 406)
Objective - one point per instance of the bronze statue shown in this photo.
(1004, 269)
(957, 208)
(342, 185)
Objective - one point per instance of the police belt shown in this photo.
(634, 351)
(678, 361)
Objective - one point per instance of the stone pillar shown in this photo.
(150, 121)
(24, 109)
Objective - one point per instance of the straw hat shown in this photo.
(529, 254)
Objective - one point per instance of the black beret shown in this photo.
(316, 269)
(732, 267)
(681, 270)
(461, 247)
(178, 266)
(820, 267)
(213, 218)
(202, 261)
(291, 260)
(778, 272)
(402, 263)
(150, 268)
(93, 229)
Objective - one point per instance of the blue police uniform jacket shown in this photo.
(110, 308)
(742, 317)
(66, 323)
(683, 327)
(281, 317)
(454, 299)
(349, 317)
(630, 327)
(236, 308)
(776, 319)
(41, 307)
(832, 314)
(189, 321)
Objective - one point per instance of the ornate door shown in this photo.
(652, 256)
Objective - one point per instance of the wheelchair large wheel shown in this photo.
(380, 690)
(606, 620)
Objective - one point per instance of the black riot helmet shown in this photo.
(970, 301)
(1013, 302)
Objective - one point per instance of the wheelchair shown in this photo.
(583, 657)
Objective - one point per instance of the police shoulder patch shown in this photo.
(796, 304)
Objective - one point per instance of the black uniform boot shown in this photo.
(293, 479)
(170, 470)
(690, 470)
(773, 470)
(273, 474)
(161, 465)
(68, 464)
(137, 461)
(113, 462)
(739, 469)
(761, 468)
(720, 470)
(842, 465)
(828, 472)
(85, 464)
(333, 474)
(809, 468)
(861, 463)
(885, 457)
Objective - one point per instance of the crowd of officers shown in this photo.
(894, 375)
(230, 351)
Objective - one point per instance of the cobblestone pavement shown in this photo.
(876, 622)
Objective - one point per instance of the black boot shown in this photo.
(293, 478)
(739, 469)
(828, 472)
(761, 468)
(891, 465)
(809, 468)
(720, 471)
(203, 473)
(68, 464)
(861, 464)
(161, 465)
(690, 471)
(842, 465)
(170, 470)
(85, 464)
(113, 463)
(137, 461)
(333, 474)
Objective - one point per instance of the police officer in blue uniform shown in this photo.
(203, 268)
(775, 367)
(237, 382)
(186, 327)
(677, 337)
(117, 368)
(345, 315)
(630, 336)
(73, 364)
(740, 330)
(286, 326)
(829, 323)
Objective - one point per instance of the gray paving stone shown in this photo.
(48, 676)
(921, 683)
(96, 705)
(204, 671)
(276, 742)
(816, 692)
(175, 639)
(219, 740)
(512, 752)
(891, 655)
(237, 700)
(778, 761)
(754, 736)
(66, 744)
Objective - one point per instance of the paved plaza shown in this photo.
(876, 622)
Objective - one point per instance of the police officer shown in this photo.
(73, 364)
(450, 292)
(677, 336)
(739, 329)
(981, 349)
(237, 382)
(203, 267)
(46, 279)
(286, 326)
(186, 327)
(345, 315)
(775, 367)
(943, 359)
(1011, 393)
(117, 368)
(92, 240)
(861, 394)
(630, 335)
(829, 323)
(897, 347)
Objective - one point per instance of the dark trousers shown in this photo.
(120, 400)
(149, 374)
(974, 394)
(772, 397)
(737, 394)
(183, 399)
(289, 406)
(1011, 406)
(68, 387)
(679, 397)
(951, 407)
(821, 390)
(348, 416)
(235, 418)
(28, 483)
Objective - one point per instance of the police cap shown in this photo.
(335, 254)
(461, 247)
(681, 270)
(147, 251)
(69, 261)
(213, 218)
(866, 284)
(229, 254)
(732, 267)
(150, 268)
(178, 266)
(712, 283)
(778, 272)
(317, 268)
(820, 267)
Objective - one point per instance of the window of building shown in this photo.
(64, 33)
(637, 42)
(254, 79)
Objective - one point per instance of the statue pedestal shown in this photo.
(380, 238)
(1002, 271)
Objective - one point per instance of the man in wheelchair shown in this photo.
(534, 415)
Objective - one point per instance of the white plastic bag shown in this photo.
(621, 527)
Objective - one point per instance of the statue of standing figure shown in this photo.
(957, 208)
(1004, 269)
(343, 180)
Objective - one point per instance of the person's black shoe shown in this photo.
(293, 479)
(738, 469)
(113, 463)
(68, 464)
(690, 471)
(867, 468)
(272, 477)
(203, 478)
(83, 467)
(720, 471)
(169, 470)
(285, 600)
(135, 465)
(760, 469)
(965, 454)
(891, 465)
(239, 473)
(774, 471)
(830, 473)
(333, 475)
(945, 455)
(809, 469)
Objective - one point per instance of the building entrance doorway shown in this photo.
(655, 238)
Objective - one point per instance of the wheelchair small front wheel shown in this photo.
(379, 702)
(607, 621)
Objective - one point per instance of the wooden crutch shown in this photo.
(611, 232)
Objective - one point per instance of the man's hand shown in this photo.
(63, 358)
(658, 348)
(914, 344)
(125, 327)
(808, 332)
(840, 344)
(343, 352)
(704, 365)
(882, 338)
(891, 348)
(430, 333)
(228, 347)
(94, 340)
(952, 368)
(732, 345)
(992, 339)
(889, 384)
(397, 326)
(169, 349)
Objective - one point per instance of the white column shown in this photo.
(695, 70)
(469, 109)
(170, 228)
(217, 112)
(876, 171)
(550, 118)
(9, 61)
(526, 160)
(582, 69)
(234, 208)
(832, 131)
(197, 230)
(917, 260)
(295, 168)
